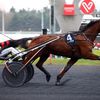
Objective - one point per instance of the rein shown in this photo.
(36, 47)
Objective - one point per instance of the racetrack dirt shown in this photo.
(79, 83)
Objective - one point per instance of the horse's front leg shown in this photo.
(65, 69)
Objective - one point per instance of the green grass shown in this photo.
(80, 62)
(64, 60)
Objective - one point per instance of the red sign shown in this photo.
(87, 6)
(69, 9)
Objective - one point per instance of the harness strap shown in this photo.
(72, 44)
(87, 38)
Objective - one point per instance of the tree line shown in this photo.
(25, 20)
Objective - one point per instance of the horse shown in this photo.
(82, 48)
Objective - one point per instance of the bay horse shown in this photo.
(81, 49)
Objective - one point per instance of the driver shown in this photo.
(6, 50)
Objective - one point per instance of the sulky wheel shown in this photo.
(14, 79)
(30, 72)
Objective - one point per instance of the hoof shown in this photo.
(48, 78)
(57, 83)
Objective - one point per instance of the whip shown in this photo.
(7, 36)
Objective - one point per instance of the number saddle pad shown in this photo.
(69, 38)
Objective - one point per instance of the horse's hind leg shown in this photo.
(39, 65)
(65, 69)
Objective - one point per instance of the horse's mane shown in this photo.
(89, 25)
